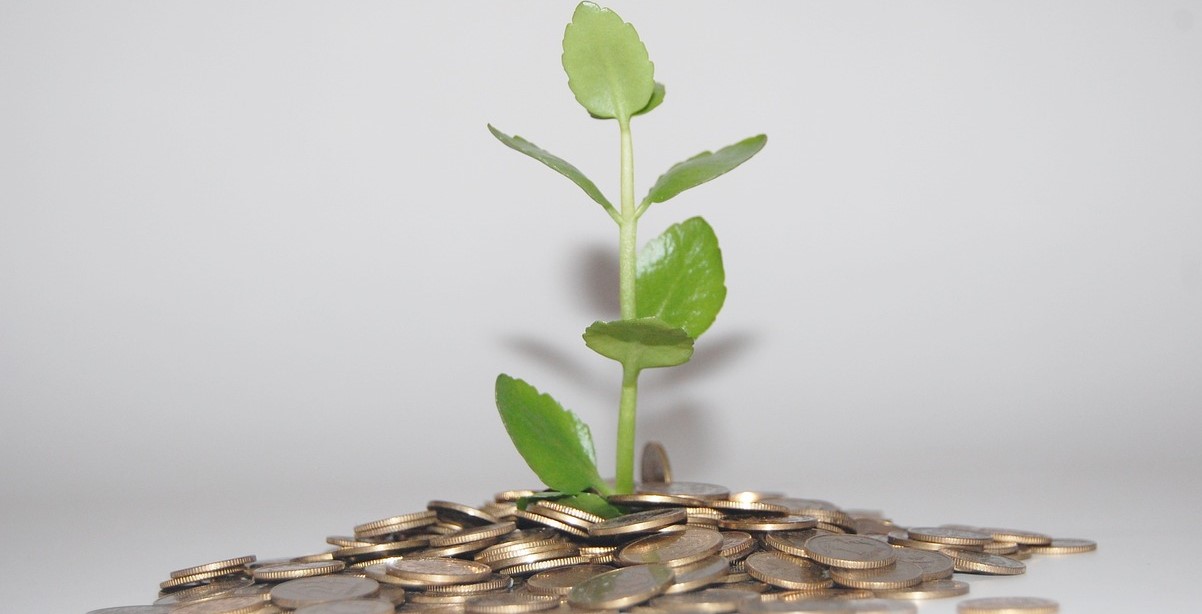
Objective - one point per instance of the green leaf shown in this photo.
(644, 343)
(554, 442)
(657, 98)
(608, 69)
(702, 168)
(559, 165)
(680, 277)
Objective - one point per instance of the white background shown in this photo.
(260, 264)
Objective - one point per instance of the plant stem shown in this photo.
(624, 474)
(627, 263)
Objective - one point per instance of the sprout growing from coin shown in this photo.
(670, 292)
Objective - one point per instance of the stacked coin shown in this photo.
(678, 547)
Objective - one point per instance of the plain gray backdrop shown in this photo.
(261, 262)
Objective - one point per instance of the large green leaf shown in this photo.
(559, 165)
(554, 442)
(644, 343)
(608, 68)
(680, 277)
(703, 167)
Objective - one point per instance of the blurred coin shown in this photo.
(357, 606)
(439, 570)
(707, 601)
(474, 534)
(561, 581)
(134, 609)
(653, 464)
(207, 567)
(695, 490)
(543, 565)
(792, 542)
(460, 513)
(850, 551)
(511, 603)
(196, 578)
(310, 591)
(1008, 605)
(1066, 546)
(654, 500)
(934, 565)
(223, 605)
(791, 522)
(933, 589)
(412, 520)
(621, 588)
(831, 606)
(216, 588)
(949, 536)
(984, 563)
(1028, 538)
(291, 571)
(698, 575)
(495, 582)
(559, 525)
(898, 575)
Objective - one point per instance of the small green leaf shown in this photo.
(559, 165)
(680, 277)
(554, 442)
(644, 343)
(702, 168)
(657, 98)
(608, 69)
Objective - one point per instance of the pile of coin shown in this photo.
(680, 547)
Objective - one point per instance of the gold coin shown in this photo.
(653, 464)
(899, 538)
(223, 605)
(427, 518)
(378, 571)
(543, 565)
(748, 506)
(511, 603)
(694, 490)
(754, 495)
(546, 521)
(460, 513)
(791, 522)
(621, 588)
(949, 536)
(1008, 605)
(555, 506)
(196, 578)
(654, 500)
(674, 549)
(495, 582)
(850, 551)
(786, 572)
(241, 561)
(792, 542)
(898, 575)
(737, 544)
(1000, 548)
(932, 589)
(311, 591)
(984, 563)
(934, 565)
(639, 522)
(217, 588)
(1066, 546)
(438, 599)
(292, 571)
(474, 534)
(1026, 538)
(512, 549)
(439, 570)
(512, 496)
(561, 581)
(134, 609)
(379, 550)
(707, 601)
(357, 606)
(534, 555)
(568, 519)
(698, 575)
(313, 558)
(820, 593)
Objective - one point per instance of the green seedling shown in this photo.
(670, 292)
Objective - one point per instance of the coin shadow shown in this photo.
(686, 432)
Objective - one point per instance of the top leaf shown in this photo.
(703, 167)
(559, 165)
(607, 65)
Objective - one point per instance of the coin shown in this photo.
(356, 606)
(653, 464)
(511, 603)
(737, 544)
(241, 561)
(409, 521)
(786, 572)
(561, 581)
(543, 565)
(568, 510)
(898, 575)
(379, 550)
(850, 551)
(695, 490)
(309, 591)
(495, 582)
(216, 588)
(460, 513)
(1066, 546)
(984, 563)
(474, 534)
(1027, 538)
(792, 542)
(654, 500)
(134, 609)
(196, 578)
(639, 522)
(748, 506)
(933, 589)
(949, 536)
(621, 588)
(707, 601)
(546, 521)
(439, 570)
(791, 522)
(700, 574)
(223, 605)
(1008, 605)
(831, 606)
(568, 519)
(291, 571)
(675, 549)
(934, 565)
